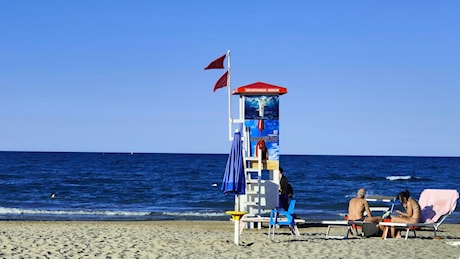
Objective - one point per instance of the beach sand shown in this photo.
(206, 239)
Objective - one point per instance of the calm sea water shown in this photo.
(111, 186)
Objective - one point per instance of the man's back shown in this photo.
(356, 208)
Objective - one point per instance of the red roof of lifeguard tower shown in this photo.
(259, 88)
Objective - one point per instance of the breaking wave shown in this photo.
(397, 178)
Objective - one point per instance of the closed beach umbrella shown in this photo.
(234, 180)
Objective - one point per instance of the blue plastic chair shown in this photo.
(282, 217)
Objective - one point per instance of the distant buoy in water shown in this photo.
(53, 195)
(214, 184)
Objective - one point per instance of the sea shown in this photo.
(177, 186)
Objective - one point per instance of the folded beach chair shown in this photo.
(282, 217)
(436, 206)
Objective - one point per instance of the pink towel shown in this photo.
(436, 203)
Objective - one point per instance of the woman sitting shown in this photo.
(412, 214)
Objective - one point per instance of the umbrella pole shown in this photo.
(237, 232)
(236, 216)
(237, 203)
(236, 225)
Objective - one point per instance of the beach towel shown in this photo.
(437, 203)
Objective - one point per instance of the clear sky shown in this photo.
(363, 77)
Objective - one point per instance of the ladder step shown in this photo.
(252, 181)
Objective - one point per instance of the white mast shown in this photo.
(230, 119)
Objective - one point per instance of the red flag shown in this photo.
(217, 63)
(222, 82)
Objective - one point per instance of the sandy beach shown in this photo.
(206, 239)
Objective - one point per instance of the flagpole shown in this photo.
(230, 120)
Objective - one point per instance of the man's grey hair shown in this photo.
(362, 193)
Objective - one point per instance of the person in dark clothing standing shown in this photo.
(283, 190)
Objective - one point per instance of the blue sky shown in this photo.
(363, 77)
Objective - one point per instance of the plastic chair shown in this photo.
(287, 219)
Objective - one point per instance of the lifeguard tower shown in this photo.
(259, 116)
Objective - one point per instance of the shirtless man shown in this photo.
(412, 214)
(358, 205)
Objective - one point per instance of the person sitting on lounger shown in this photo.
(412, 214)
(358, 205)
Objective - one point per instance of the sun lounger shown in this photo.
(436, 206)
(351, 225)
(348, 224)
(249, 221)
(388, 201)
